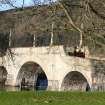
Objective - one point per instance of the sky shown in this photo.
(18, 3)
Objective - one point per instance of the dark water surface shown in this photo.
(12, 88)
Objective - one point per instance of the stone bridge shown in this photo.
(60, 70)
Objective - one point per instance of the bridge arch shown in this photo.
(3, 76)
(34, 75)
(75, 81)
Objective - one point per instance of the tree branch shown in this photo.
(72, 23)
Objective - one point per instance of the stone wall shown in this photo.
(98, 74)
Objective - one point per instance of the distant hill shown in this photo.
(37, 20)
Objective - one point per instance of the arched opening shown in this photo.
(75, 81)
(3, 76)
(32, 76)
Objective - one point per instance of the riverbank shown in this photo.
(52, 98)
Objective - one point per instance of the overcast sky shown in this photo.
(18, 3)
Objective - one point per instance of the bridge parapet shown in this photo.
(38, 50)
(76, 61)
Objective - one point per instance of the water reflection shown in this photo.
(13, 88)
(9, 88)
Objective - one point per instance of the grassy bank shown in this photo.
(52, 98)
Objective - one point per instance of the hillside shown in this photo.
(90, 17)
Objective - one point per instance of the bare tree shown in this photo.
(87, 5)
(72, 23)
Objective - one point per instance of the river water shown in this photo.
(10, 88)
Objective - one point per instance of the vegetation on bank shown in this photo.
(87, 15)
(52, 98)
